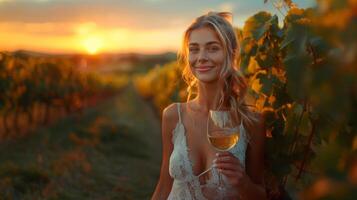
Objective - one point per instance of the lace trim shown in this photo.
(186, 184)
(192, 181)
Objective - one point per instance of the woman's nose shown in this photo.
(202, 56)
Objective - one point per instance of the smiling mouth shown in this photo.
(203, 68)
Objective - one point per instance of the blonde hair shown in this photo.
(235, 87)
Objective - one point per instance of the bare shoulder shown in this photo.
(170, 116)
(170, 112)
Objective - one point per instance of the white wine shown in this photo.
(223, 141)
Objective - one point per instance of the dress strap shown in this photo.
(179, 111)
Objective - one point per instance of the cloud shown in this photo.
(106, 13)
(39, 29)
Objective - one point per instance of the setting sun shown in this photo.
(92, 44)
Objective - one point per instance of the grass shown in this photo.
(111, 152)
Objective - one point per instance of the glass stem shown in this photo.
(221, 189)
(220, 180)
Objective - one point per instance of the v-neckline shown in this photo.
(187, 149)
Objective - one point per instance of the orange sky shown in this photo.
(94, 26)
(86, 37)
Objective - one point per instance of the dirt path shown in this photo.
(111, 152)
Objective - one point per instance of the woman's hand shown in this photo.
(230, 166)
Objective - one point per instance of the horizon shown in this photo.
(29, 51)
(111, 27)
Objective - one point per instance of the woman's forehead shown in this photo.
(203, 35)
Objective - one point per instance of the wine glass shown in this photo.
(223, 134)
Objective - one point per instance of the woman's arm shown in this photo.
(169, 119)
(249, 183)
(254, 188)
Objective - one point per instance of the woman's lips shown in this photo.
(203, 68)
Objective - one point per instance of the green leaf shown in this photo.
(305, 125)
(275, 30)
(267, 84)
(287, 40)
(320, 47)
(257, 25)
(296, 67)
(281, 95)
(274, 20)
(293, 115)
(295, 38)
(244, 64)
(265, 61)
(249, 49)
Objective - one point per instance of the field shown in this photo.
(112, 152)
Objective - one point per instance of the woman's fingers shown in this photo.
(228, 166)
(227, 157)
(224, 153)
(230, 173)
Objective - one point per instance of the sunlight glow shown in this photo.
(92, 44)
(88, 38)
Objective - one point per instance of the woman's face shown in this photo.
(206, 55)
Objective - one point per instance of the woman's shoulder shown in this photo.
(170, 117)
(171, 111)
(170, 114)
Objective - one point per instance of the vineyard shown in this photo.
(302, 76)
(69, 131)
(35, 89)
(161, 85)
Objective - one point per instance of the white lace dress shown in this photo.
(186, 185)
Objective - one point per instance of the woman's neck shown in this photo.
(208, 96)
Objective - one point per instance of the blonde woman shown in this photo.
(209, 52)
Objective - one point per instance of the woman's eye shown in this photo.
(193, 49)
(213, 48)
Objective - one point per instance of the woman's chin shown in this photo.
(207, 79)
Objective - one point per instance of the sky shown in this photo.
(112, 26)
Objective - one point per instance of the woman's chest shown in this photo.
(200, 152)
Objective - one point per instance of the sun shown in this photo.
(92, 44)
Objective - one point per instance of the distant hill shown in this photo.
(121, 62)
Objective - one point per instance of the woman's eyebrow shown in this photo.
(208, 43)
(213, 42)
(193, 44)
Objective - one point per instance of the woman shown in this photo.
(208, 53)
